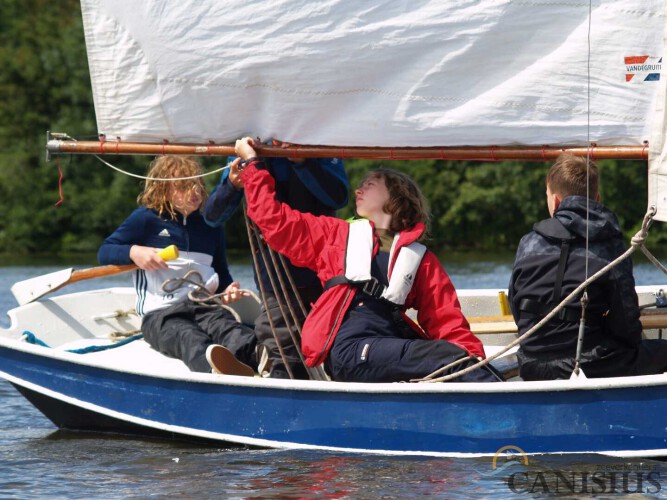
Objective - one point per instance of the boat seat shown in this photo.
(651, 320)
(507, 365)
(492, 324)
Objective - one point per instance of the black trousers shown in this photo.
(371, 347)
(265, 336)
(185, 330)
(649, 358)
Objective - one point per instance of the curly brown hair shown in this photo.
(156, 193)
(407, 204)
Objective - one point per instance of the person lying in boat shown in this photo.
(372, 269)
(317, 186)
(205, 338)
(551, 262)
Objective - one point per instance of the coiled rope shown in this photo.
(199, 294)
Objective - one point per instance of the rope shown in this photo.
(636, 242)
(60, 184)
(287, 295)
(30, 338)
(98, 348)
(655, 261)
(444, 368)
(200, 294)
(129, 174)
(254, 240)
(284, 298)
(170, 179)
(589, 156)
(118, 336)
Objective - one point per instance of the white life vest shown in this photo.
(359, 255)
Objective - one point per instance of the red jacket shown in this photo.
(319, 243)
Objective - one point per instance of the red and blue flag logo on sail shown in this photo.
(642, 68)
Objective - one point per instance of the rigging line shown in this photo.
(282, 300)
(290, 278)
(283, 289)
(445, 368)
(255, 243)
(286, 298)
(588, 126)
(60, 185)
(102, 138)
(653, 259)
(170, 179)
(289, 294)
(584, 297)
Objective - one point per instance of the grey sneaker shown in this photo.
(222, 361)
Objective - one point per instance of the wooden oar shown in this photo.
(31, 289)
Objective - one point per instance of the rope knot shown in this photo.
(639, 238)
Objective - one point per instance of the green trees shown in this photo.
(491, 205)
(44, 85)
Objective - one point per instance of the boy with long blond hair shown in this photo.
(206, 338)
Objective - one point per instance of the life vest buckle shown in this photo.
(373, 288)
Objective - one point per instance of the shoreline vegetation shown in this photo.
(45, 85)
(240, 256)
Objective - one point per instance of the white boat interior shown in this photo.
(106, 317)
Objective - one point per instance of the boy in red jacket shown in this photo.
(372, 271)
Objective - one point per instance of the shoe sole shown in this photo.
(223, 362)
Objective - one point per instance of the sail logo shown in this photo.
(642, 68)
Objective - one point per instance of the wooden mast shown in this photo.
(473, 153)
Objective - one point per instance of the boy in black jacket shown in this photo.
(551, 262)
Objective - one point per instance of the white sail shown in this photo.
(657, 175)
(381, 73)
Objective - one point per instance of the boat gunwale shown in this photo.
(350, 387)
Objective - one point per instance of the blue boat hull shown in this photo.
(625, 419)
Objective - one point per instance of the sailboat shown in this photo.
(480, 79)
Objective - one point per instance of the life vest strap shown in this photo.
(371, 287)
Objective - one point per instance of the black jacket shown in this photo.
(613, 311)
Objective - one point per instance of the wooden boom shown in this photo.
(473, 153)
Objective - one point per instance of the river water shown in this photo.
(37, 460)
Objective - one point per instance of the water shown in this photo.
(37, 460)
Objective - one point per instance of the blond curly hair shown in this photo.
(156, 193)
